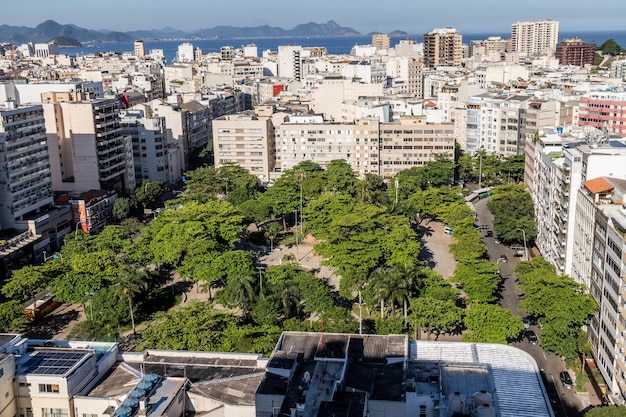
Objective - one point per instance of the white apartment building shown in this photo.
(535, 37)
(149, 147)
(558, 176)
(328, 97)
(599, 255)
(184, 53)
(501, 123)
(290, 62)
(190, 126)
(25, 183)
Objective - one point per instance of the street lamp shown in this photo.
(90, 295)
(296, 233)
(525, 249)
(53, 256)
(78, 223)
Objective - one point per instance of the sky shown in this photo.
(365, 16)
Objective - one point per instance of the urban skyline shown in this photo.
(365, 17)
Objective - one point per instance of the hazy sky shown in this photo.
(412, 16)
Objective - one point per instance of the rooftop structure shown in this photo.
(312, 374)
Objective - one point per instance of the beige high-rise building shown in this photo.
(535, 37)
(139, 49)
(246, 139)
(443, 47)
(380, 41)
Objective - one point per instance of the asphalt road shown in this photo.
(565, 402)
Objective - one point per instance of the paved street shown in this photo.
(566, 402)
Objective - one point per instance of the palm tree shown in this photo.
(382, 280)
(131, 280)
(289, 300)
(240, 290)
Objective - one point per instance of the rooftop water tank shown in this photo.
(485, 411)
(483, 397)
(123, 411)
(151, 378)
(131, 402)
(137, 393)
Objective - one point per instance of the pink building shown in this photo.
(606, 109)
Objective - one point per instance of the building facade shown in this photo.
(604, 110)
(443, 47)
(575, 52)
(535, 37)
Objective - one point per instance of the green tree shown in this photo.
(11, 315)
(148, 193)
(479, 280)
(513, 214)
(121, 208)
(433, 315)
(212, 226)
(341, 178)
(610, 47)
(606, 411)
(558, 302)
(490, 323)
(25, 282)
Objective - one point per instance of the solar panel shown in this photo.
(52, 363)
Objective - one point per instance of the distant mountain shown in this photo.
(65, 41)
(50, 30)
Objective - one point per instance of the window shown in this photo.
(48, 388)
(54, 412)
(1, 372)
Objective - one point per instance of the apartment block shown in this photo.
(380, 41)
(25, 184)
(535, 37)
(413, 142)
(443, 47)
(8, 406)
(604, 110)
(600, 252)
(558, 176)
(246, 139)
(501, 123)
(150, 147)
(190, 126)
(575, 52)
(87, 149)
(290, 62)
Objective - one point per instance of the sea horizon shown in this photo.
(334, 45)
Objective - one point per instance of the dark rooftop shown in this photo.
(237, 391)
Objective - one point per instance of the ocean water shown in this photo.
(341, 45)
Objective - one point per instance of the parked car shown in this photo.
(566, 379)
(532, 337)
(526, 323)
(489, 233)
(447, 230)
(503, 259)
